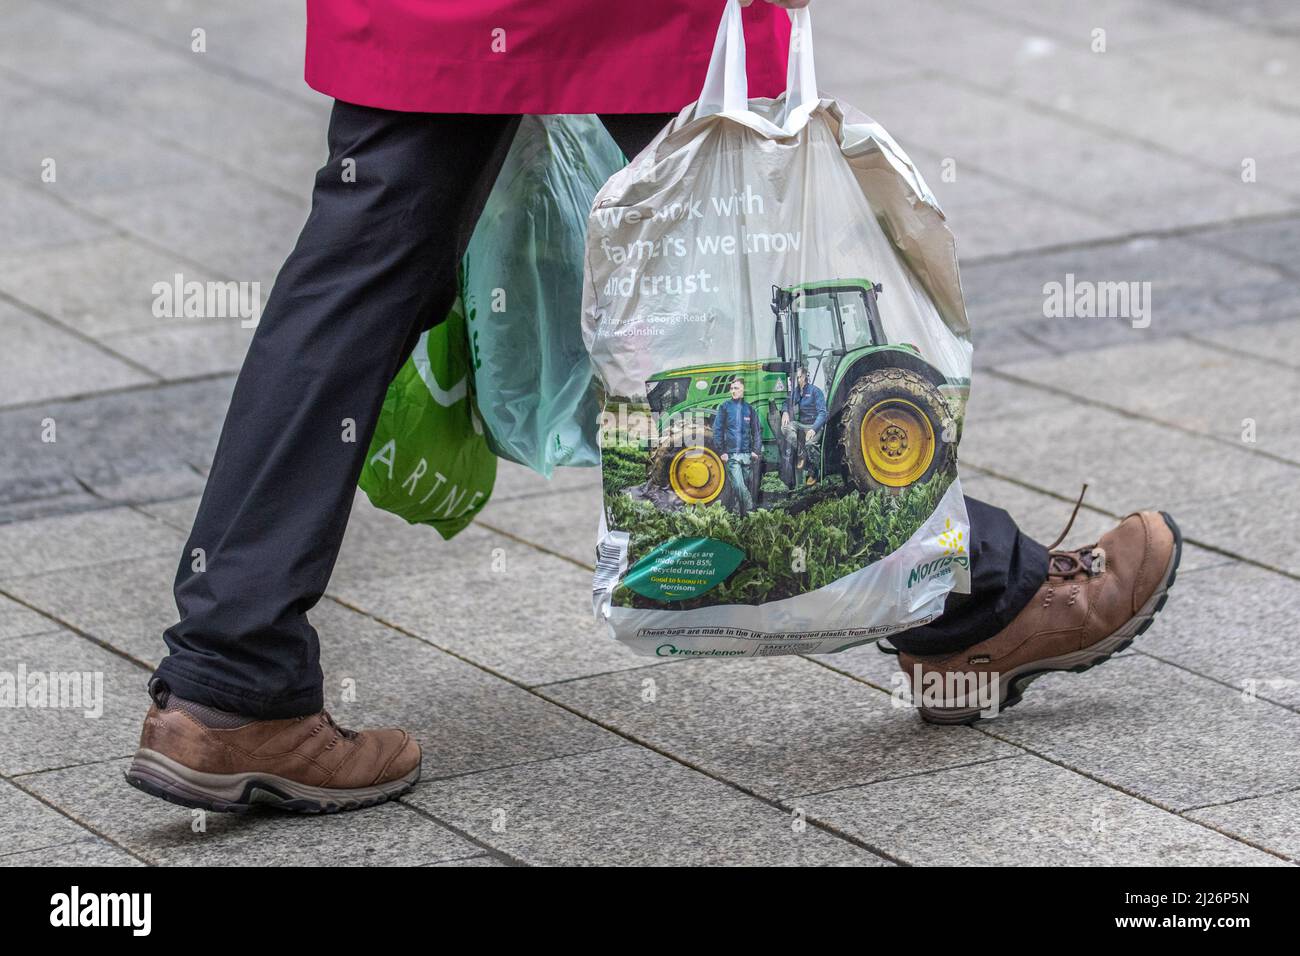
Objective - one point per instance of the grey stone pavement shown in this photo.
(1132, 164)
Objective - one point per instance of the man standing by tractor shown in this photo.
(809, 404)
(739, 436)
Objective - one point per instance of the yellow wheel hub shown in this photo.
(696, 474)
(897, 442)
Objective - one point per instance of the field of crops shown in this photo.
(836, 535)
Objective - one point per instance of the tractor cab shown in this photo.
(817, 324)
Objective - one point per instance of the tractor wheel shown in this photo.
(892, 431)
(686, 462)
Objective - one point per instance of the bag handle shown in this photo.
(726, 85)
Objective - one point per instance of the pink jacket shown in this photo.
(531, 56)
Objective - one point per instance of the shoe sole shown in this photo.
(161, 776)
(1011, 685)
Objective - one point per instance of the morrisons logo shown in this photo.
(936, 567)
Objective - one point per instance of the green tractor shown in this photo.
(890, 419)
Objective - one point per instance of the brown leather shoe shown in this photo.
(201, 757)
(1094, 602)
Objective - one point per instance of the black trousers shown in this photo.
(374, 266)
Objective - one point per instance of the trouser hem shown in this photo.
(973, 621)
(246, 703)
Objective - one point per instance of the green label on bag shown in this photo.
(683, 568)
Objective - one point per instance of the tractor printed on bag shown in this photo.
(838, 399)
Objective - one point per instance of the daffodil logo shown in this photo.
(953, 542)
(952, 539)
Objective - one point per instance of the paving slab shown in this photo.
(1199, 387)
(181, 352)
(126, 604)
(42, 362)
(870, 664)
(464, 719)
(1129, 99)
(82, 540)
(1133, 22)
(99, 288)
(1237, 624)
(1129, 463)
(1193, 287)
(778, 727)
(994, 397)
(88, 852)
(565, 523)
(473, 861)
(1257, 524)
(990, 217)
(382, 545)
(136, 79)
(34, 219)
(1272, 822)
(1021, 811)
(970, 119)
(19, 621)
(27, 825)
(259, 40)
(67, 500)
(492, 600)
(243, 243)
(1067, 162)
(1043, 517)
(163, 833)
(1157, 731)
(1258, 63)
(126, 445)
(92, 154)
(1274, 16)
(902, 33)
(1279, 342)
(67, 40)
(91, 681)
(178, 513)
(258, 133)
(1137, 187)
(519, 481)
(1010, 343)
(1130, 184)
(627, 807)
(144, 486)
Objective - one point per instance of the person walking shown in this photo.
(427, 98)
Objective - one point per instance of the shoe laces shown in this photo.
(1066, 564)
(1086, 560)
(339, 732)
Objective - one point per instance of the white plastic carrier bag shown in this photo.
(773, 310)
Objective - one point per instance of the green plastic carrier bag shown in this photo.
(428, 461)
